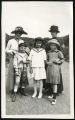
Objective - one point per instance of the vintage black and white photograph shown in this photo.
(37, 59)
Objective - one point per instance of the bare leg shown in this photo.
(54, 88)
(17, 83)
(54, 94)
(41, 87)
(35, 89)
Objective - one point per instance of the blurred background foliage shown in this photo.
(64, 42)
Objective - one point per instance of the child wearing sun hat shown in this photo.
(54, 60)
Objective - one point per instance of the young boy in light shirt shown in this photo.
(20, 65)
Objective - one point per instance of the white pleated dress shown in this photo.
(37, 58)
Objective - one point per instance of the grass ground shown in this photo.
(26, 105)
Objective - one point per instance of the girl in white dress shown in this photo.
(37, 59)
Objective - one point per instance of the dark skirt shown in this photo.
(48, 86)
(60, 86)
(10, 76)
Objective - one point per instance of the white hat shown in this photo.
(54, 41)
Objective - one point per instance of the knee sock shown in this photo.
(54, 95)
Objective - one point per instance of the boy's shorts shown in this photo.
(19, 71)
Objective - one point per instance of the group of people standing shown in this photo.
(45, 66)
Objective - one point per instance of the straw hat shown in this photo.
(54, 41)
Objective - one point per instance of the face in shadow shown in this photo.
(54, 34)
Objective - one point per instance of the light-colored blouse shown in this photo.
(12, 45)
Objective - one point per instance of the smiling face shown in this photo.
(53, 46)
(38, 44)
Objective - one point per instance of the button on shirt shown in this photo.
(37, 57)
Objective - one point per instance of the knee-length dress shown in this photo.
(37, 58)
(54, 69)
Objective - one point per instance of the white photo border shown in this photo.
(3, 92)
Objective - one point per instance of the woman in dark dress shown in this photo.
(48, 89)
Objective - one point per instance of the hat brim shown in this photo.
(54, 31)
(54, 43)
(21, 32)
(38, 40)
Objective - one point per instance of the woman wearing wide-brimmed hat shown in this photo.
(54, 30)
(54, 60)
(11, 49)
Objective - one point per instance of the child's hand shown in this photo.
(16, 72)
(24, 60)
(56, 61)
(14, 52)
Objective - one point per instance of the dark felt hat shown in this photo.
(38, 39)
(54, 29)
(19, 30)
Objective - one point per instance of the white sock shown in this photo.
(15, 88)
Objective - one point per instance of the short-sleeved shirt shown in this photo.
(37, 57)
(12, 45)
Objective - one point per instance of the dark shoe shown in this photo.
(14, 97)
(46, 91)
(58, 94)
(18, 91)
(22, 91)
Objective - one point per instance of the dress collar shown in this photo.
(38, 50)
